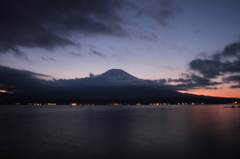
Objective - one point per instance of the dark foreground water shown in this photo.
(194, 132)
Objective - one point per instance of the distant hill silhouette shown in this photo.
(112, 86)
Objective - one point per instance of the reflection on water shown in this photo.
(119, 131)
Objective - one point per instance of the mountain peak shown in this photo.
(117, 74)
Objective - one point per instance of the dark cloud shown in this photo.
(211, 88)
(201, 81)
(208, 68)
(219, 63)
(182, 80)
(193, 81)
(232, 50)
(18, 30)
(94, 52)
(235, 86)
(48, 24)
(161, 81)
(20, 80)
(224, 63)
(161, 11)
(235, 78)
(216, 56)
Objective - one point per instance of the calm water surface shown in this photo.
(195, 132)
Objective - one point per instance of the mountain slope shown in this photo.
(117, 74)
(114, 85)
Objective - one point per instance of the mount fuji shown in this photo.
(117, 74)
(114, 85)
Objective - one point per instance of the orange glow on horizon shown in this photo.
(221, 92)
(3, 91)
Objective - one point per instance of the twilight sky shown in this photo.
(192, 44)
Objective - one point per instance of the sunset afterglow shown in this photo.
(188, 46)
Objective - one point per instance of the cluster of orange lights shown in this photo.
(74, 104)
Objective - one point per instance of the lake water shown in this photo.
(194, 132)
